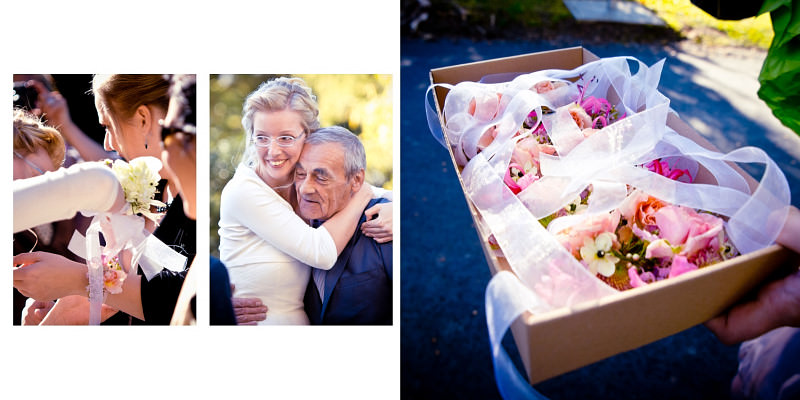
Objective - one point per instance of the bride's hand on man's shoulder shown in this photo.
(379, 222)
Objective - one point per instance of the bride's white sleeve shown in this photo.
(265, 214)
(88, 186)
(381, 193)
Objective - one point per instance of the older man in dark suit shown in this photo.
(358, 289)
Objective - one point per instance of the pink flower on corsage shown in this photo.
(113, 274)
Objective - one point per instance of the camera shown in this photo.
(24, 96)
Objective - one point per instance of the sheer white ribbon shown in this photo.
(120, 232)
(549, 276)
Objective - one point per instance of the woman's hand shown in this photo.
(379, 228)
(777, 304)
(45, 276)
(35, 311)
(74, 310)
(52, 105)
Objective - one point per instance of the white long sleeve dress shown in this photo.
(268, 249)
(62, 193)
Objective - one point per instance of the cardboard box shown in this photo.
(553, 343)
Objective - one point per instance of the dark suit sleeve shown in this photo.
(386, 255)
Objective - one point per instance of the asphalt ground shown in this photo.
(445, 350)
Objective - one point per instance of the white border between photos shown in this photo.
(233, 37)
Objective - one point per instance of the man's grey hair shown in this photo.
(355, 159)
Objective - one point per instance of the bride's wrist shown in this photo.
(80, 279)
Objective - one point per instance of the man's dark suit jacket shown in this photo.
(358, 289)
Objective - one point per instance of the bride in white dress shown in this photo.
(266, 247)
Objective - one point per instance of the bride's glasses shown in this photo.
(282, 141)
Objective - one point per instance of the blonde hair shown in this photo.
(121, 94)
(279, 94)
(31, 134)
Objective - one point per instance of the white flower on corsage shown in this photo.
(139, 180)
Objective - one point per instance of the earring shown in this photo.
(145, 144)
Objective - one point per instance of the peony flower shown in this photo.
(692, 231)
(597, 254)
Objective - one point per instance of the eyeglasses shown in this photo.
(282, 141)
(39, 170)
(188, 129)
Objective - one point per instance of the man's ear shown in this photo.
(358, 181)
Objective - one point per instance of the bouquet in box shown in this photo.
(588, 155)
(587, 189)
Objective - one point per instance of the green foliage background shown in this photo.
(361, 103)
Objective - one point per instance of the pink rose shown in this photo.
(485, 108)
(693, 231)
(579, 115)
(639, 207)
(529, 149)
